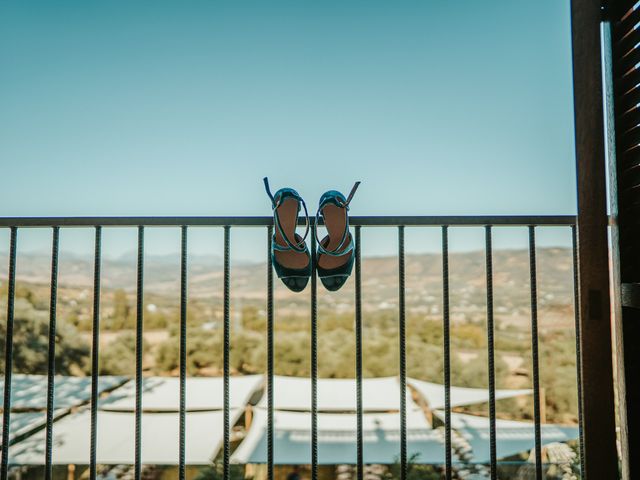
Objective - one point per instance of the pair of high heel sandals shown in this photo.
(290, 255)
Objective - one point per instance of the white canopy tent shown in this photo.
(29, 392)
(115, 442)
(292, 422)
(381, 439)
(24, 422)
(337, 423)
(162, 394)
(433, 393)
(512, 437)
(29, 398)
(378, 394)
(336, 395)
(337, 438)
(160, 424)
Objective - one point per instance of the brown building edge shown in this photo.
(600, 455)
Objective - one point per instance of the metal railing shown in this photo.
(229, 223)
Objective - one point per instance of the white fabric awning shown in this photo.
(162, 394)
(29, 392)
(337, 395)
(115, 442)
(337, 438)
(433, 393)
(512, 437)
(292, 421)
(23, 422)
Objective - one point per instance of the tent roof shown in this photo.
(24, 422)
(115, 445)
(433, 393)
(337, 438)
(203, 393)
(29, 392)
(512, 437)
(337, 395)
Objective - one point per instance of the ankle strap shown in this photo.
(337, 251)
(275, 203)
(266, 187)
(352, 193)
(298, 246)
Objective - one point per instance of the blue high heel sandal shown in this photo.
(335, 255)
(289, 252)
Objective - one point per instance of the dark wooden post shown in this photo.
(601, 460)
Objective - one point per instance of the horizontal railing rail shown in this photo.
(228, 223)
(363, 221)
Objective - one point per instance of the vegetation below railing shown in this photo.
(292, 343)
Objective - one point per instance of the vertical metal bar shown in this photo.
(314, 362)
(95, 346)
(534, 350)
(139, 354)
(51, 361)
(269, 355)
(446, 338)
(576, 312)
(183, 350)
(358, 328)
(491, 352)
(8, 356)
(403, 355)
(227, 341)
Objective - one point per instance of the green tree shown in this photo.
(31, 346)
(119, 356)
(156, 320)
(122, 317)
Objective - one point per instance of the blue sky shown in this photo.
(180, 108)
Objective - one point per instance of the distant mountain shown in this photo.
(117, 272)
(131, 256)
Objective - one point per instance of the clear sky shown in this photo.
(180, 108)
